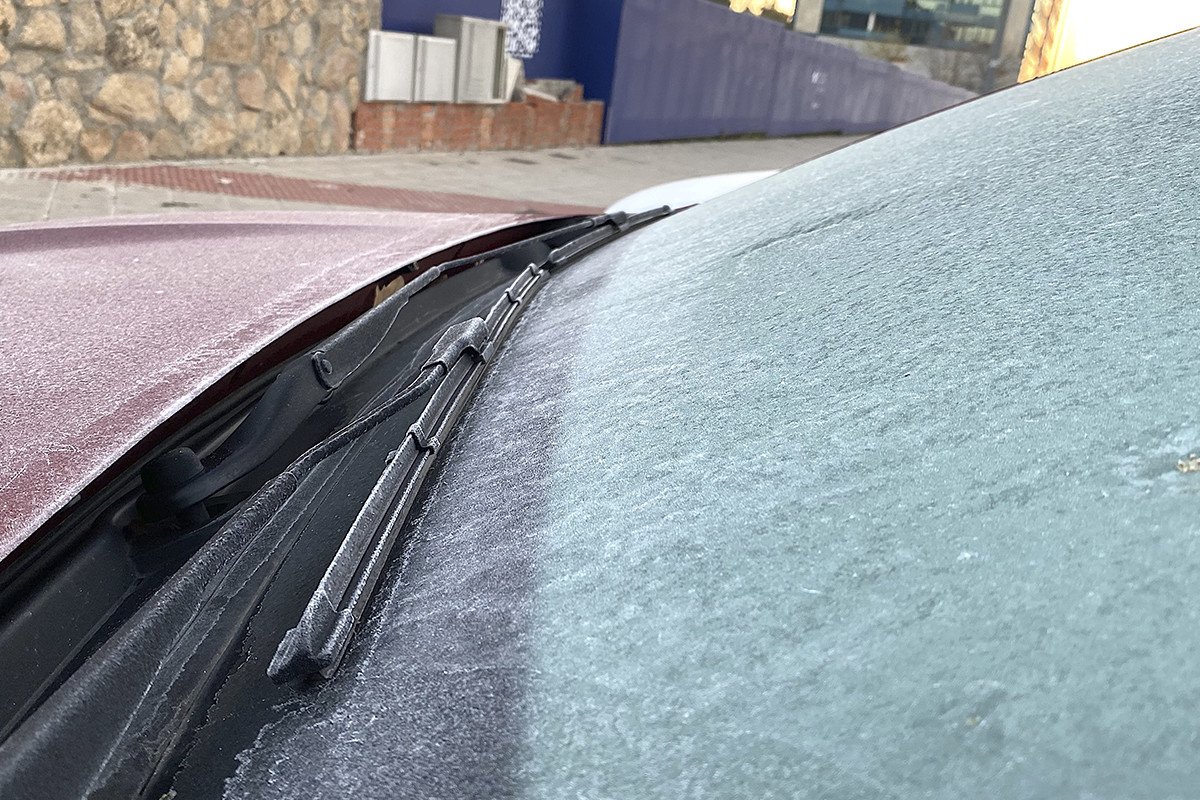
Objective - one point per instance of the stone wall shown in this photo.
(131, 80)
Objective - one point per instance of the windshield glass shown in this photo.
(863, 481)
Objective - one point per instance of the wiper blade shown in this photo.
(320, 638)
(316, 644)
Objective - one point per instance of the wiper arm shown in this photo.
(614, 226)
(319, 640)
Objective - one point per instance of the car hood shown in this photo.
(687, 192)
(113, 327)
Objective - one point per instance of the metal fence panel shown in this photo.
(690, 68)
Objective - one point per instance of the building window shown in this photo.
(933, 23)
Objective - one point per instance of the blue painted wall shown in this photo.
(579, 37)
(690, 68)
(416, 16)
(579, 41)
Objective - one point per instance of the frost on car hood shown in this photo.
(859, 482)
(110, 328)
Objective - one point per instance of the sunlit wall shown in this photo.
(1066, 32)
(782, 10)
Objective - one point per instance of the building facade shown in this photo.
(930, 23)
(1067, 32)
(1043, 52)
(977, 44)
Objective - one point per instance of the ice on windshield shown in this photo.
(861, 482)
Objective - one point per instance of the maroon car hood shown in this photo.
(110, 328)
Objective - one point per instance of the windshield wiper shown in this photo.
(613, 226)
(126, 713)
(319, 640)
(179, 483)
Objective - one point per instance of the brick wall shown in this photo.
(530, 125)
(130, 80)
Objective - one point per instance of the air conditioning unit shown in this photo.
(433, 71)
(481, 71)
(390, 59)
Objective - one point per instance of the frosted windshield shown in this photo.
(859, 482)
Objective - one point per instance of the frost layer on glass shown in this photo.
(859, 482)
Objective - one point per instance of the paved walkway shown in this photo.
(562, 180)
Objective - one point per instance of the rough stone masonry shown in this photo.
(131, 80)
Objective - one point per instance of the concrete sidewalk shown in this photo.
(562, 180)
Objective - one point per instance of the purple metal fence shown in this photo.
(691, 68)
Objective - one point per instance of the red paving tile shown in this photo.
(278, 187)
